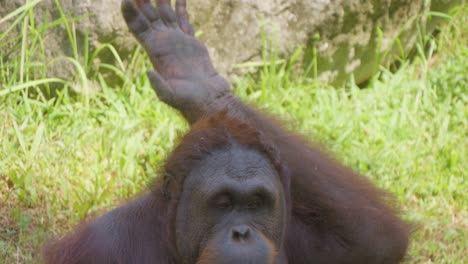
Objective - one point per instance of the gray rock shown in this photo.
(100, 21)
(348, 36)
(348, 43)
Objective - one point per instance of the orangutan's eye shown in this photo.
(223, 202)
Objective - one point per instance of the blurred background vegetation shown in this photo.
(71, 148)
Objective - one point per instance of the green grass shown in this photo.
(67, 155)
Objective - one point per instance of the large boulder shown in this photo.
(348, 36)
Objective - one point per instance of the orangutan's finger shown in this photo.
(161, 87)
(151, 13)
(182, 17)
(136, 21)
(167, 13)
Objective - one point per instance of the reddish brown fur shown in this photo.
(213, 133)
(336, 215)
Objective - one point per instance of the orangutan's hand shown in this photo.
(184, 76)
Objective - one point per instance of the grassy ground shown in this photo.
(68, 156)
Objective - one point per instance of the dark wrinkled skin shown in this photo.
(319, 211)
(232, 189)
(183, 74)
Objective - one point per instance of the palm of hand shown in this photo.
(185, 77)
(177, 55)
